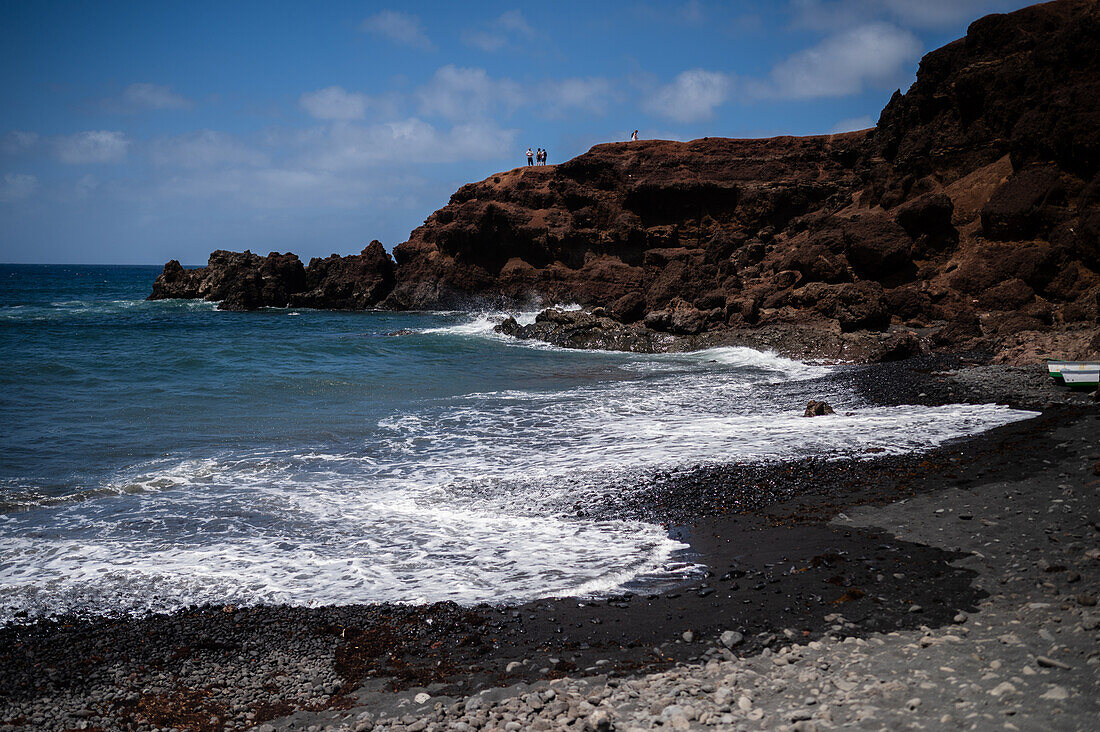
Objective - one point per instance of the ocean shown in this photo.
(162, 454)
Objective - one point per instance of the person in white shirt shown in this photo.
(530, 157)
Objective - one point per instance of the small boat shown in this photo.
(1058, 369)
(1082, 377)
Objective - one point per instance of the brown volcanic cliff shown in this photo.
(969, 217)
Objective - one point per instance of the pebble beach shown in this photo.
(954, 589)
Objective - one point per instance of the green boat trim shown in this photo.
(1082, 378)
(1056, 368)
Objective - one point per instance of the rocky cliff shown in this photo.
(969, 217)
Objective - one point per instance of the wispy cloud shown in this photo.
(509, 30)
(401, 28)
(691, 97)
(334, 102)
(19, 141)
(93, 146)
(563, 95)
(17, 187)
(350, 147)
(459, 93)
(209, 149)
(143, 97)
(321, 166)
(852, 124)
(692, 12)
(832, 15)
(878, 55)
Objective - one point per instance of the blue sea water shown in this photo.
(159, 454)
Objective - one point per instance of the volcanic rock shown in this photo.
(353, 282)
(969, 217)
(817, 409)
(236, 280)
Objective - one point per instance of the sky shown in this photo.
(138, 132)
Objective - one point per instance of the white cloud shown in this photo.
(401, 28)
(344, 146)
(18, 141)
(93, 146)
(852, 124)
(484, 40)
(266, 189)
(323, 166)
(591, 94)
(875, 55)
(144, 97)
(209, 149)
(513, 21)
(86, 186)
(334, 102)
(832, 15)
(507, 30)
(17, 187)
(462, 93)
(692, 96)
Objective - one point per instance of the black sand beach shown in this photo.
(789, 548)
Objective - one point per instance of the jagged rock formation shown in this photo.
(246, 281)
(968, 218)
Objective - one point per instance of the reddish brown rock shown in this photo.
(971, 214)
(1028, 204)
(353, 282)
(670, 215)
(236, 280)
(817, 409)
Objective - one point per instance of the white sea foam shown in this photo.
(92, 309)
(483, 323)
(466, 498)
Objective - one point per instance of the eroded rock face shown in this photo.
(354, 282)
(967, 219)
(655, 218)
(236, 280)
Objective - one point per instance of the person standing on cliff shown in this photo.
(530, 157)
(544, 157)
(634, 137)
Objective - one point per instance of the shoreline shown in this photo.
(207, 668)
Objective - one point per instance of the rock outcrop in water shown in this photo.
(246, 281)
(969, 217)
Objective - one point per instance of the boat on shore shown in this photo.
(1075, 373)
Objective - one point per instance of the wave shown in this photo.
(100, 309)
(414, 493)
(482, 323)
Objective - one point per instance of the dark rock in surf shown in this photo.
(237, 280)
(817, 409)
(577, 329)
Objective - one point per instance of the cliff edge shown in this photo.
(968, 218)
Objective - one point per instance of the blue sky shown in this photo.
(137, 132)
